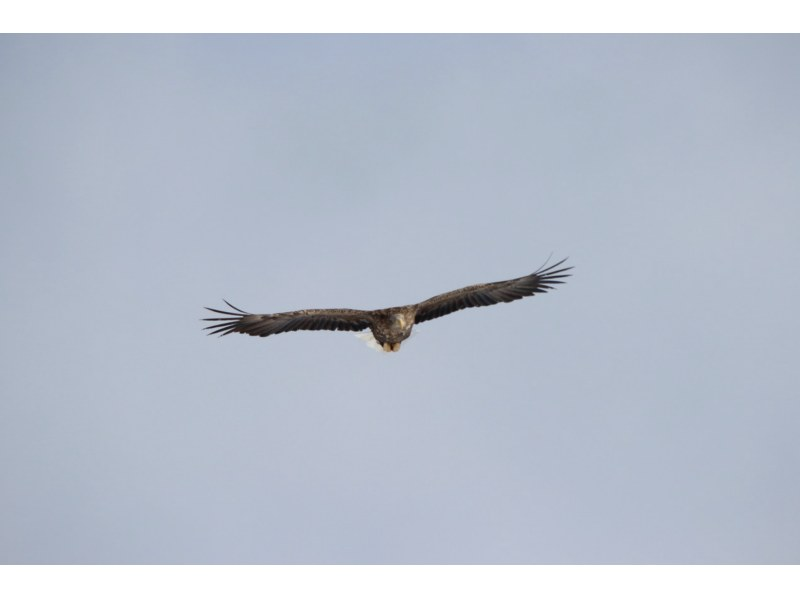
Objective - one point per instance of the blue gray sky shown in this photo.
(645, 412)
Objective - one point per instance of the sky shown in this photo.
(644, 412)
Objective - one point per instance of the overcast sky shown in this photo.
(645, 412)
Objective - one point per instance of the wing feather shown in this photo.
(305, 319)
(491, 293)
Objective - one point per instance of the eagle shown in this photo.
(390, 326)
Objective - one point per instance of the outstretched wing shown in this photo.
(306, 319)
(490, 293)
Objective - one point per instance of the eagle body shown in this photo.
(389, 326)
(392, 326)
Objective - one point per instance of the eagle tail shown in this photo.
(368, 338)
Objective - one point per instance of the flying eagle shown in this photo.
(390, 326)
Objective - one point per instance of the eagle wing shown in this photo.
(305, 319)
(490, 293)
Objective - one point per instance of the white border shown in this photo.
(401, 582)
(396, 16)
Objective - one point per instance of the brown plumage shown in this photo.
(390, 326)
